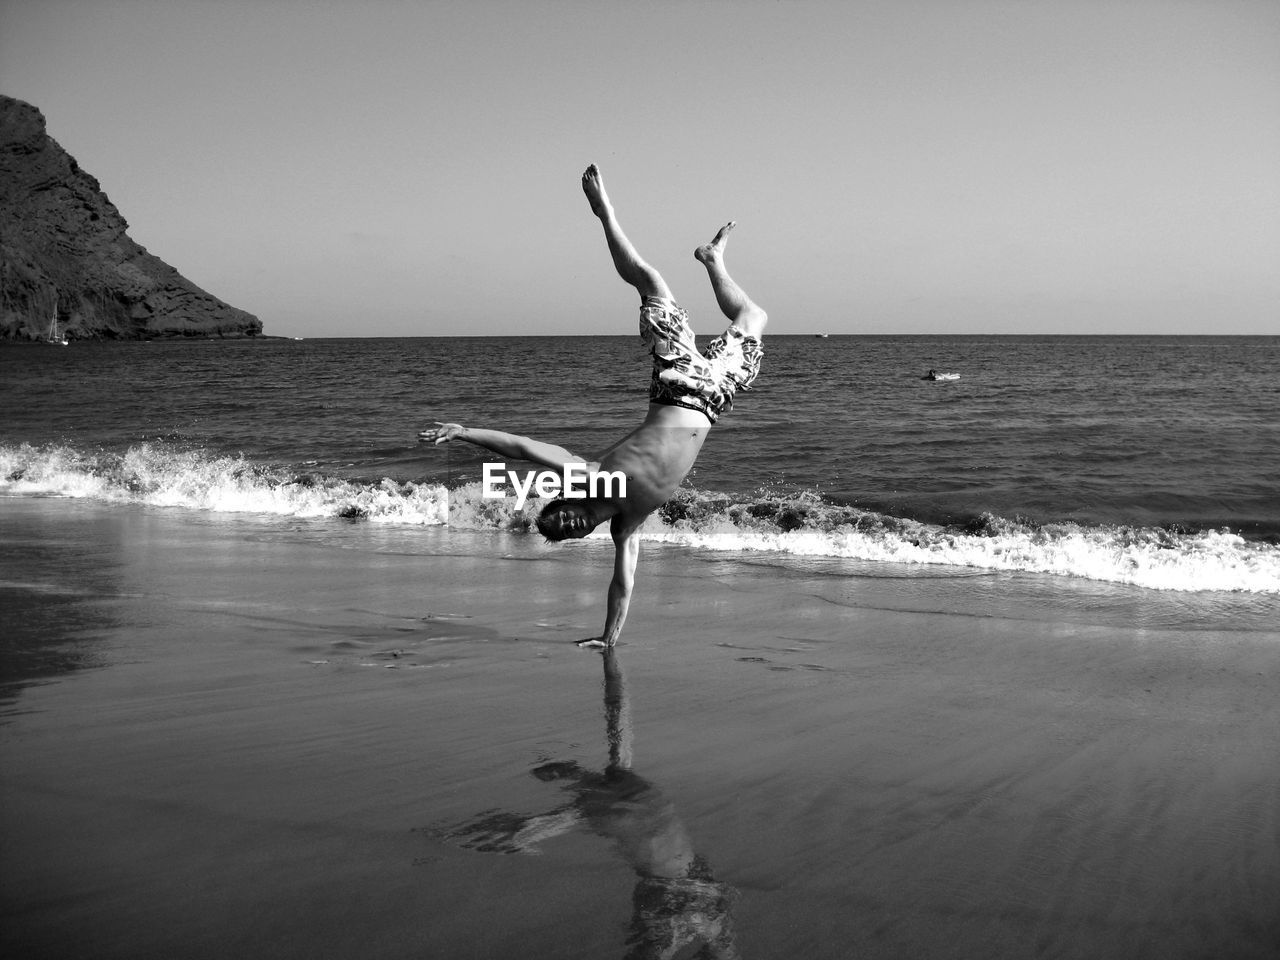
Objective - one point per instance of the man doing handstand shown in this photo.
(688, 391)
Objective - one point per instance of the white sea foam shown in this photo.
(800, 525)
(168, 477)
(1209, 560)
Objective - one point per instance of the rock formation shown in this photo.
(63, 243)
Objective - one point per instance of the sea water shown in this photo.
(1144, 461)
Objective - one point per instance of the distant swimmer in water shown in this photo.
(688, 391)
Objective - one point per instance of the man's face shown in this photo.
(568, 521)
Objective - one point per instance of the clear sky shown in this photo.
(370, 167)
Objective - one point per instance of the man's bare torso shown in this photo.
(655, 457)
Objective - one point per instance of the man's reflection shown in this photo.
(679, 908)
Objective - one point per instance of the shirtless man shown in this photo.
(688, 391)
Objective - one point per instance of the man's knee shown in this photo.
(752, 321)
(649, 283)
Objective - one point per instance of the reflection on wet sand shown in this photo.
(679, 908)
(58, 585)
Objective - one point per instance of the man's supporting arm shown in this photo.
(508, 444)
(626, 554)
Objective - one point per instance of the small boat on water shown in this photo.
(822, 336)
(935, 375)
(54, 337)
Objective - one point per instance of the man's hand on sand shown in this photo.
(440, 433)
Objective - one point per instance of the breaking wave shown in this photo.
(165, 476)
(800, 524)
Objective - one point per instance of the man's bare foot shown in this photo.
(714, 251)
(593, 187)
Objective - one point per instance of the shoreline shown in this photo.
(285, 739)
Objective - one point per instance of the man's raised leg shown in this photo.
(734, 303)
(647, 281)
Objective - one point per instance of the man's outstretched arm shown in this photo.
(508, 444)
(626, 553)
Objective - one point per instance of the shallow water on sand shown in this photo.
(289, 739)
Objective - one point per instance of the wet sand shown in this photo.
(226, 737)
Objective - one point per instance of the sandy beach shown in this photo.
(229, 737)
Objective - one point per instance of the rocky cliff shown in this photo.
(63, 246)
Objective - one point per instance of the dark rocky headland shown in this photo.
(63, 242)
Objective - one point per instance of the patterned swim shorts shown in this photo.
(685, 377)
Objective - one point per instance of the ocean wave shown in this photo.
(799, 524)
(166, 476)
(805, 525)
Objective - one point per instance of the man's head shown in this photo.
(566, 520)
